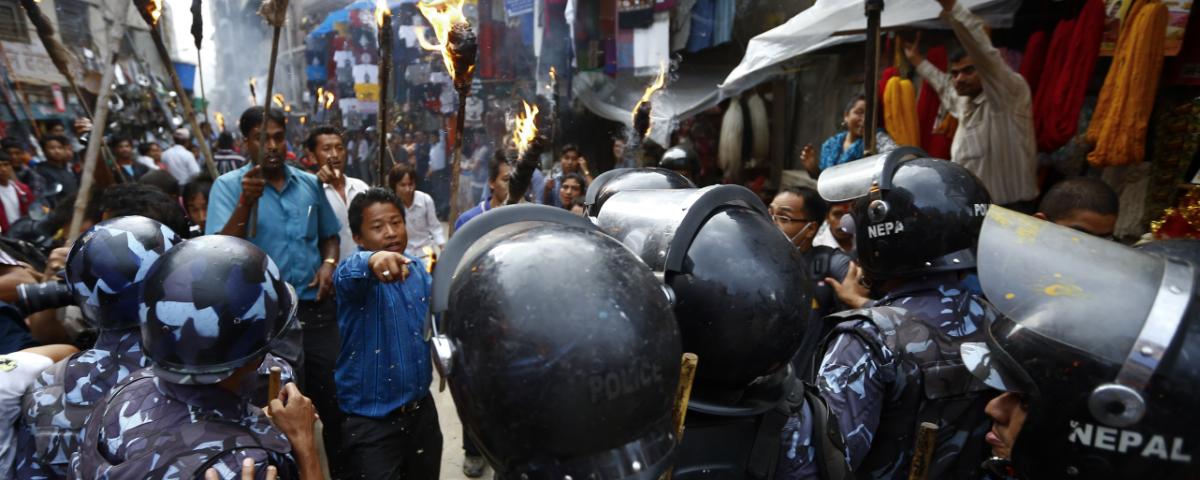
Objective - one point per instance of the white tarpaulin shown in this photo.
(691, 89)
(814, 29)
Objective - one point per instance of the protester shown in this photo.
(199, 402)
(226, 159)
(195, 202)
(20, 154)
(438, 177)
(299, 230)
(572, 186)
(498, 177)
(848, 145)
(995, 138)
(420, 218)
(384, 371)
(1082, 203)
(618, 153)
(570, 161)
(162, 180)
(578, 206)
(324, 145)
(18, 370)
(179, 160)
(150, 155)
(15, 196)
(124, 155)
(838, 229)
(56, 169)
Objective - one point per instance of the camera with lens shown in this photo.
(35, 297)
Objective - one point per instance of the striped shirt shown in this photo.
(995, 138)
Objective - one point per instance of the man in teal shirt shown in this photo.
(298, 229)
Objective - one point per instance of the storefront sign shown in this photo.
(30, 63)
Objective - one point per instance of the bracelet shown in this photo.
(331, 261)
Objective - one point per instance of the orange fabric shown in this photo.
(900, 112)
(1118, 127)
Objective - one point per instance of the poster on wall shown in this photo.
(1178, 12)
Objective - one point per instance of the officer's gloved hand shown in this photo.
(851, 291)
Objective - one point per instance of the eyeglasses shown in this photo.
(785, 221)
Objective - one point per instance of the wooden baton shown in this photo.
(923, 452)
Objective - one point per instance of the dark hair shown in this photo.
(144, 148)
(225, 141)
(398, 172)
(578, 178)
(370, 197)
(310, 143)
(148, 201)
(494, 165)
(956, 54)
(161, 180)
(570, 147)
(253, 117)
(854, 101)
(199, 185)
(578, 201)
(1079, 193)
(55, 138)
(10, 142)
(117, 139)
(815, 208)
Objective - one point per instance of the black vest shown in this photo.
(932, 385)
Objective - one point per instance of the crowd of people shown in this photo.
(285, 318)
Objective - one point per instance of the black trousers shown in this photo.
(403, 445)
(469, 448)
(322, 343)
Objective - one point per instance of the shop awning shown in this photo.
(815, 28)
(692, 89)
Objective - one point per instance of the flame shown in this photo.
(525, 128)
(329, 98)
(442, 15)
(420, 31)
(320, 95)
(381, 10)
(278, 99)
(155, 10)
(303, 119)
(654, 87)
(220, 122)
(287, 108)
(553, 79)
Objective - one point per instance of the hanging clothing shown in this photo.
(1035, 59)
(1069, 64)
(900, 110)
(703, 21)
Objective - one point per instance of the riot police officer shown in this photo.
(104, 270)
(210, 310)
(888, 368)
(681, 159)
(549, 388)
(1095, 353)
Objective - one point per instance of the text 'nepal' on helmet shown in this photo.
(107, 264)
(622, 179)
(1101, 341)
(209, 306)
(913, 215)
(559, 346)
(742, 292)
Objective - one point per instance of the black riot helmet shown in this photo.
(913, 215)
(681, 159)
(1101, 342)
(211, 305)
(559, 346)
(622, 179)
(742, 292)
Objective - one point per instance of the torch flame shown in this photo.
(442, 15)
(381, 10)
(525, 128)
(329, 98)
(654, 87)
(320, 95)
(220, 122)
(303, 119)
(155, 9)
(278, 99)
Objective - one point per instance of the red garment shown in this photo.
(1034, 60)
(936, 145)
(1070, 60)
(886, 75)
(24, 198)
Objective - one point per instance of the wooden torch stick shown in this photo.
(687, 375)
(184, 98)
(92, 155)
(923, 453)
(275, 11)
(273, 384)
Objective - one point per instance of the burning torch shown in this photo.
(151, 10)
(641, 114)
(529, 149)
(458, 45)
(275, 12)
(383, 20)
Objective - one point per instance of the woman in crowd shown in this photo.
(847, 145)
(573, 186)
(420, 213)
(195, 200)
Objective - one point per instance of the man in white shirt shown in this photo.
(995, 139)
(326, 146)
(179, 159)
(438, 177)
(420, 214)
(18, 370)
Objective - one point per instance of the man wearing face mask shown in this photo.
(798, 211)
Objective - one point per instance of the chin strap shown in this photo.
(1000, 468)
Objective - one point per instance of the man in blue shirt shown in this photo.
(383, 373)
(298, 229)
(498, 176)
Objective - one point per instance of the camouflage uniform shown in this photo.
(59, 403)
(797, 457)
(149, 428)
(896, 365)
